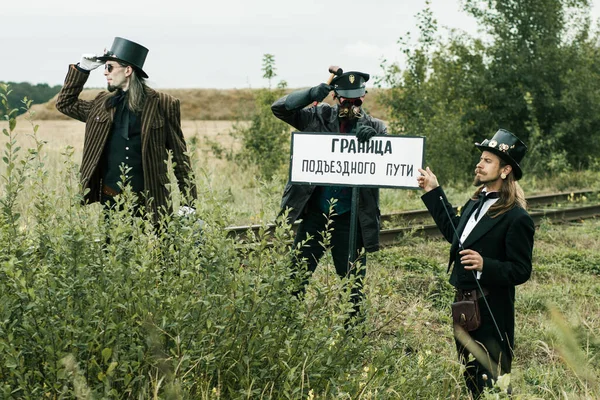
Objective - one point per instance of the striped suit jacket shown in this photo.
(161, 131)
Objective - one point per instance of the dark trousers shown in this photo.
(314, 224)
(497, 354)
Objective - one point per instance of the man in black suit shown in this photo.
(492, 244)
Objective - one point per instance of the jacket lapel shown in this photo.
(465, 214)
(483, 226)
(149, 111)
(108, 115)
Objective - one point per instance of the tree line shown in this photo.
(535, 71)
(39, 93)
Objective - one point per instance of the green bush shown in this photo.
(103, 302)
(533, 71)
(265, 141)
(97, 304)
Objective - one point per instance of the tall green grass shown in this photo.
(103, 305)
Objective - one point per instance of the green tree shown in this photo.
(425, 98)
(534, 73)
(265, 140)
(269, 67)
(537, 45)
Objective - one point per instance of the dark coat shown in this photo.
(161, 131)
(324, 118)
(506, 245)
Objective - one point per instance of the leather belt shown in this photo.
(471, 294)
(107, 190)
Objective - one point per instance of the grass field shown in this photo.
(557, 311)
(408, 351)
(61, 133)
(251, 200)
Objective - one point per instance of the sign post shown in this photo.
(353, 226)
(340, 160)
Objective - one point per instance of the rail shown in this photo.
(390, 237)
(413, 221)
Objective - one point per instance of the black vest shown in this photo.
(124, 147)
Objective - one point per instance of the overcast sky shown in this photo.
(214, 44)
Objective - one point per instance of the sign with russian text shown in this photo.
(335, 159)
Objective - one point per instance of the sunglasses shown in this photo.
(110, 67)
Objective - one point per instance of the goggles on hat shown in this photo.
(352, 102)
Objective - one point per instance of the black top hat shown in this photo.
(127, 52)
(508, 147)
(350, 85)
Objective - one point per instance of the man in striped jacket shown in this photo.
(130, 128)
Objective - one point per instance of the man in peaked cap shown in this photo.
(312, 204)
(130, 126)
(492, 245)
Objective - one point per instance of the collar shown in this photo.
(119, 97)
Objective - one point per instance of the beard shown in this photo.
(478, 181)
(111, 88)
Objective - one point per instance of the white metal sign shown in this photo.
(334, 159)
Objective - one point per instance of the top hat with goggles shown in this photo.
(508, 147)
(127, 52)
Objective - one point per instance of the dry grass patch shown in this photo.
(58, 134)
(208, 104)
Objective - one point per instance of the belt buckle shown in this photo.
(107, 190)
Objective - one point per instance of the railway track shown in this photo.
(419, 222)
(389, 237)
(533, 202)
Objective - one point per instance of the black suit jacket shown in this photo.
(506, 245)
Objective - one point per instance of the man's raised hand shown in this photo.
(89, 62)
(427, 181)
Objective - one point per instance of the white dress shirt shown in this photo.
(472, 222)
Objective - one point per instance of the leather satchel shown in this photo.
(466, 314)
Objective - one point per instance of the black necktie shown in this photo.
(483, 196)
(121, 124)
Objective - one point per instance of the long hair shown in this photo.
(136, 93)
(511, 195)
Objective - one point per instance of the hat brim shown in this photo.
(516, 168)
(351, 93)
(108, 58)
